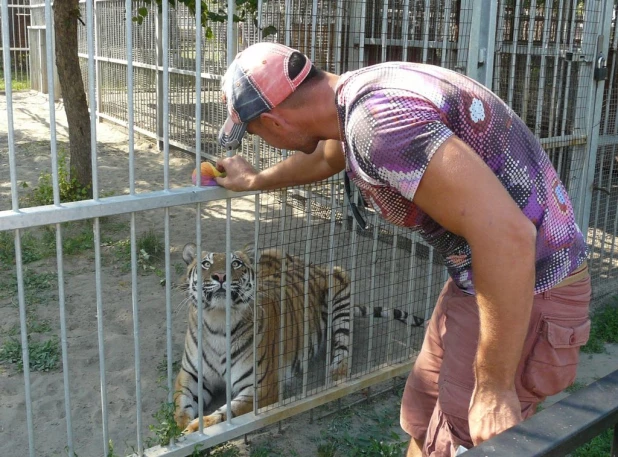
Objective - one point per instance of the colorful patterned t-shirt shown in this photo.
(394, 116)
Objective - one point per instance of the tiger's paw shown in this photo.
(209, 421)
(339, 371)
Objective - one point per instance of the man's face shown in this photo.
(283, 135)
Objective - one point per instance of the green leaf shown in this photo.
(143, 11)
(270, 30)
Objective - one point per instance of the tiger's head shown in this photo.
(214, 279)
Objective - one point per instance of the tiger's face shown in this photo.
(214, 279)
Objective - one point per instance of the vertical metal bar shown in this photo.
(495, 85)
(314, 21)
(553, 108)
(531, 24)
(198, 212)
(426, 23)
(166, 216)
(338, 37)
(445, 31)
(409, 299)
(540, 107)
(165, 95)
(97, 53)
(256, 266)
(52, 108)
(429, 285)
(384, 34)
(22, 323)
(615, 230)
(306, 316)
(361, 50)
(288, 22)
(136, 339)
(391, 294)
(231, 46)
(59, 253)
(92, 97)
(200, 318)
(568, 74)
(374, 261)
(134, 254)
(228, 310)
(405, 26)
(256, 242)
(160, 54)
(353, 243)
(610, 85)
(6, 58)
(100, 333)
(331, 258)
(514, 52)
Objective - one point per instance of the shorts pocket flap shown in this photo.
(564, 337)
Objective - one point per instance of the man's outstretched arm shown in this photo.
(461, 193)
(327, 160)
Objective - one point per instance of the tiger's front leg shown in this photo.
(186, 395)
(241, 404)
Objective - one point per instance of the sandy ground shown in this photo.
(298, 435)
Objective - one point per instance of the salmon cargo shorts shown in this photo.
(438, 391)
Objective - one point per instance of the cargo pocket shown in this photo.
(552, 364)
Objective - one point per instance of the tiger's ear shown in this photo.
(249, 251)
(189, 252)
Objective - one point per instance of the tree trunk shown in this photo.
(66, 21)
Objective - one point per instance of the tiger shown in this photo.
(268, 318)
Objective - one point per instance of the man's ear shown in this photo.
(272, 119)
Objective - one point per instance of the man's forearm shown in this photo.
(301, 168)
(504, 283)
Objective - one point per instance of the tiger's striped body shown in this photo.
(269, 324)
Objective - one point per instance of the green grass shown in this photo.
(31, 248)
(604, 328)
(600, 446)
(150, 248)
(77, 237)
(43, 355)
(36, 285)
(20, 81)
(375, 437)
(577, 385)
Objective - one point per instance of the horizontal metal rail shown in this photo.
(147, 66)
(110, 206)
(433, 44)
(562, 427)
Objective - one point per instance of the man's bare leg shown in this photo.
(415, 449)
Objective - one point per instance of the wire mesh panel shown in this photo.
(543, 68)
(603, 231)
(544, 65)
(18, 46)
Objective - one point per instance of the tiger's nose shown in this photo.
(218, 277)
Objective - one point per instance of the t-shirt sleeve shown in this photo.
(393, 135)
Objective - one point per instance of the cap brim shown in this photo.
(230, 135)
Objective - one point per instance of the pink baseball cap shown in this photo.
(259, 78)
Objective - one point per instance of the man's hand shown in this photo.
(491, 412)
(240, 174)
